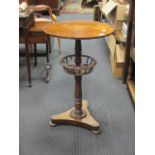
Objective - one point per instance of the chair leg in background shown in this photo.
(35, 54)
(59, 44)
(48, 67)
(49, 44)
(47, 52)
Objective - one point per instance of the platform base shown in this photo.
(87, 122)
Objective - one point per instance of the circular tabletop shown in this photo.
(78, 29)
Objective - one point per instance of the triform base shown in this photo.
(86, 122)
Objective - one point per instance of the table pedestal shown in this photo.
(87, 121)
(79, 115)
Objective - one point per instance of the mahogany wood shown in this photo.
(87, 122)
(78, 29)
(77, 112)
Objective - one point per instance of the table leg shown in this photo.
(78, 112)
(27, 56)
(47, 72)
(48, 66)
(79, 115)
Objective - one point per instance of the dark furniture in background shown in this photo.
(25, 23)
(129, 66)
(84, 3)
(31, 34)
(54, 4)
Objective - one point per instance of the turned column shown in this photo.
(78, 112)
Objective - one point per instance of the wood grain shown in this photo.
(78, 29)
(87, 122)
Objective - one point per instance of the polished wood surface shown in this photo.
(86, 122)
(78, 29)
(79, 115)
